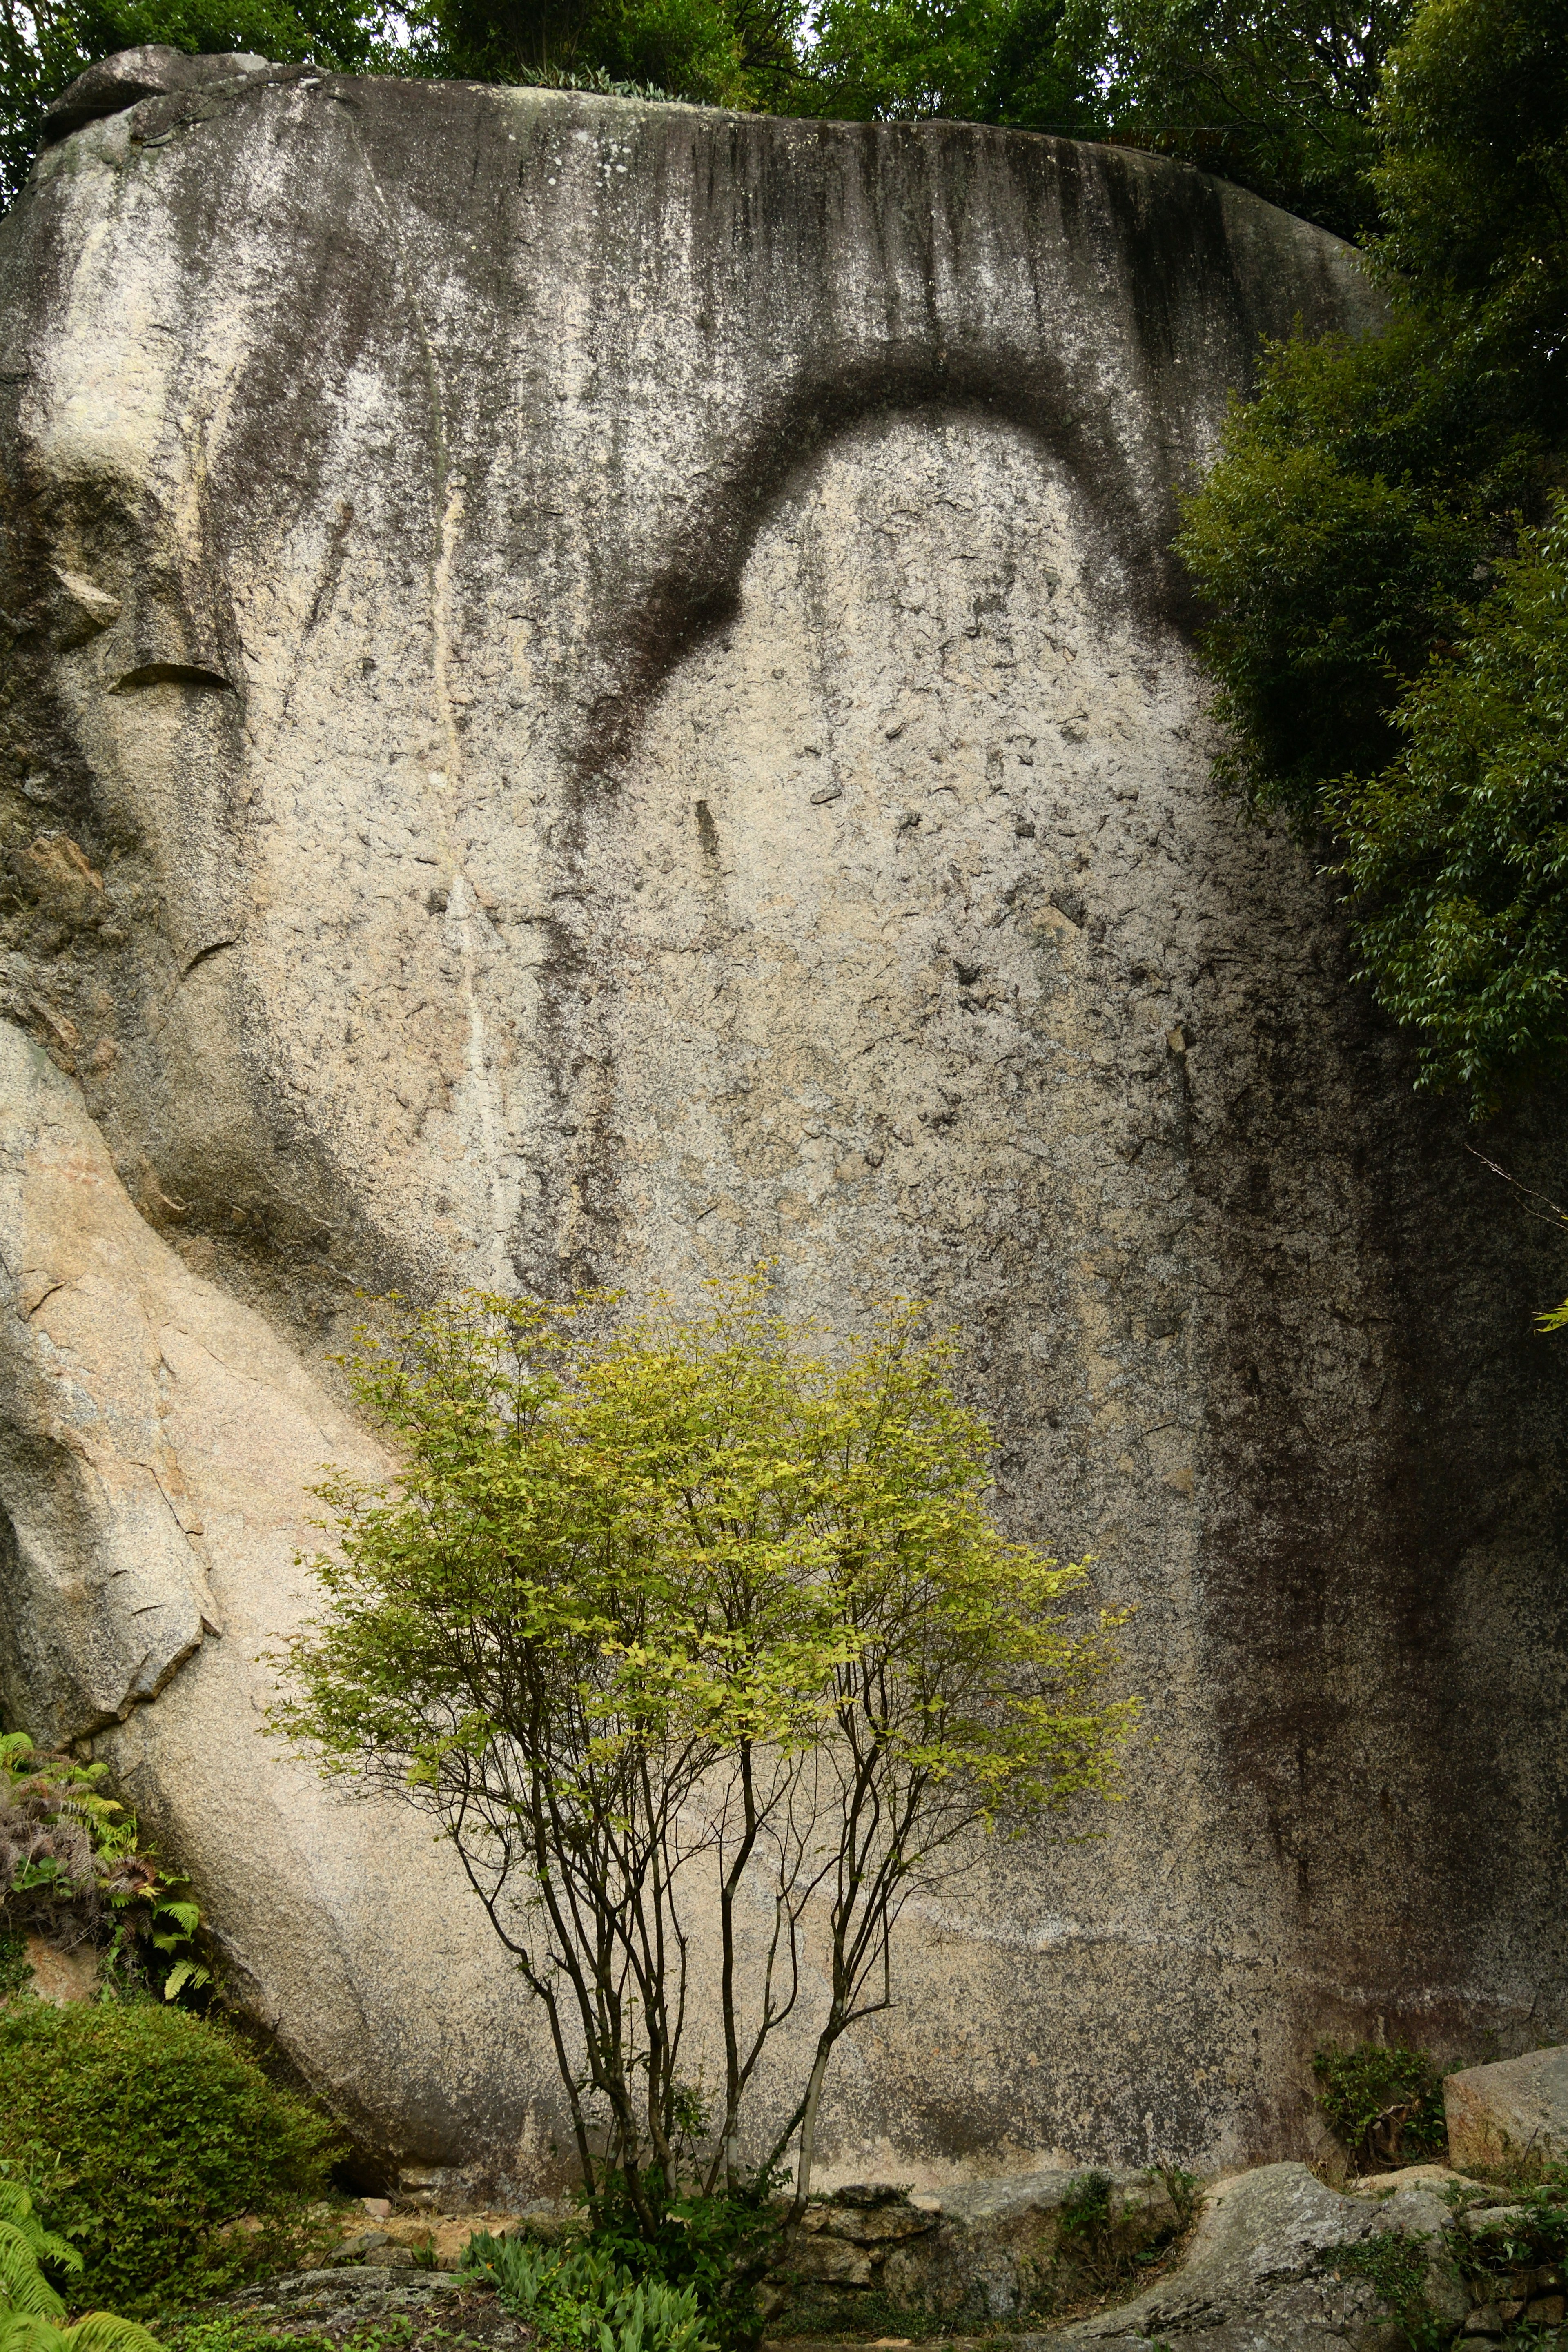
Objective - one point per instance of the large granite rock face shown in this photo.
(598, 691)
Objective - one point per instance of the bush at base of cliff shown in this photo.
(144, 2130)
(1384, 2103)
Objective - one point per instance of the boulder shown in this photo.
(1262, 2269)
(154, 71)
(973, 2251)
(1501, 2114)
(62, 1975)
(351, 2297)
(597, 692)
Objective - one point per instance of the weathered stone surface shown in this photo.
(1517, 2107)
(61, 1976)
(598, 690)
(989, 2241)
(155, 1430)
(1260, 2271)
(117, 83)
(975, 2251)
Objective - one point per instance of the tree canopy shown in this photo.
(1384, 558)
(692, 1637)
(1273, 93)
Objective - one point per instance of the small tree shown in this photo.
(673, 1615)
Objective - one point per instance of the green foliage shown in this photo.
(677, 1594)
(1474, 180)
(1099, 2251)
(1395, 2269)
(100, 2331)
(239, 2331)
(1536, 2231)
(1457, 852)
(161, 2128)
(1374, 609)
(734, 53)
(1267, 92)
(1382, 2102)
(25, 2246)
(1270, 93)
(580, 2299)
(1009, 61)
(716, 2245)
(1342, 526)
(30, 2310)
(72, 1869)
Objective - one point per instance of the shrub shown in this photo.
(1385, 2102)
(674, 1614)
(161, 2128)
(716, 2245)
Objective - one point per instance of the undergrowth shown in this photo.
(1105, 2247)
(576, 2298)
(74, 1871)
(1395, 2269)
(1383, 2101)
(141, 2130)
(719, 2245)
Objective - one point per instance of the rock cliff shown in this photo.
(597, 691)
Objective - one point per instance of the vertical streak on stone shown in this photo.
(462, 907)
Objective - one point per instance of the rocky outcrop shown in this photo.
(1267, 2267)
(976, 2252)
(115, 84)
(1502, 2116)
(598, 691)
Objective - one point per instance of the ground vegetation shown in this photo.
(139, 2132)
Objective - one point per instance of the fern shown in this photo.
(574, 2296)
(30, 2310)
(25, 2292)
(16, 2207)
(98, 2331)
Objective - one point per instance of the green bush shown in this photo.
(159, 2129)
(1383, 2101)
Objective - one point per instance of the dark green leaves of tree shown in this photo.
(1384, 573)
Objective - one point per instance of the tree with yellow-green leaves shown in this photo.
(674, 1625)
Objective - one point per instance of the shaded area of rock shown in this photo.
(973, 2252)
